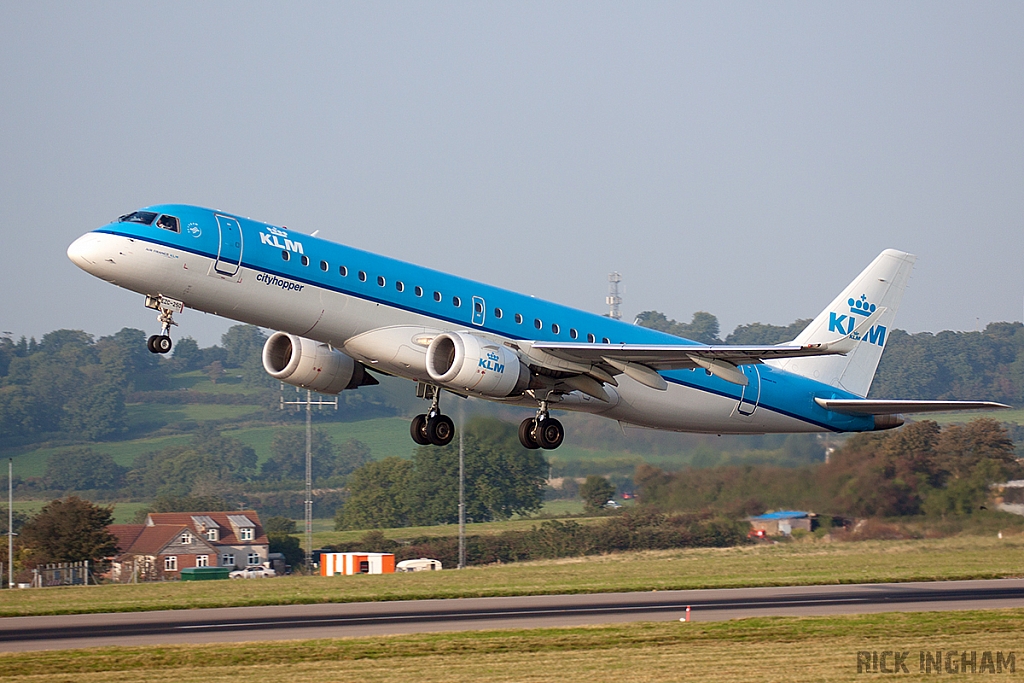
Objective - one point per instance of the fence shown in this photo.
(62, 574)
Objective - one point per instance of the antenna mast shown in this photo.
(613, 299)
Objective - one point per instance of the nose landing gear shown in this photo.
(432, 428)
(161, 343)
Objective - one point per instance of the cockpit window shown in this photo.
(144, 217)
(168, 223)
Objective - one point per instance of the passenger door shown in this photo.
(751, 394)
(230, 252)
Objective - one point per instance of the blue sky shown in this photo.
(746, 159)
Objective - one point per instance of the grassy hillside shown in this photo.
(593, 445)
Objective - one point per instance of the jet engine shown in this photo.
(464, 362)
(312, 365)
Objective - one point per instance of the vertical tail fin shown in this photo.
(881, 284)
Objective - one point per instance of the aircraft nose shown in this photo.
(84, 252)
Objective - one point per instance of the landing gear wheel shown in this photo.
(440, 430)
(526, 434)
(159, 343)
(162, 343)
(418, 430)
(549, 433)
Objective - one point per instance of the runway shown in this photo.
(289, 622)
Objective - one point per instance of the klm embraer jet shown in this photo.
(342, 311)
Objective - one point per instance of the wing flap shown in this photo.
(896, 407)
(677, 356)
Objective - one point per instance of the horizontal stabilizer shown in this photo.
(872, 407)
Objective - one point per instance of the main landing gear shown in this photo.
(542, 431)
(432, 428)
(161, 343)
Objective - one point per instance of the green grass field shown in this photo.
(185, 414)
(385, 436)
(324, 533)
(123, 512)
(783, 649)
(806, 562)
(196, 380)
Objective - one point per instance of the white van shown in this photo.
(421, 565)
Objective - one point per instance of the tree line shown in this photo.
(920, 469)
(71, 385)
(210, 463)
(634, 529)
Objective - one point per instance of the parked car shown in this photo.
(423, 564)
(612, 505)
(259, 571)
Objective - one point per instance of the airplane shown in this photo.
(341, 311)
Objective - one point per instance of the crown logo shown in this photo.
(493, 356)
(276, 231)
(861, 306)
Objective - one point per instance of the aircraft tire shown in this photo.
(526, 434)
(151, 343)
(440, 430)
(417, 429)
(162, 343)
(550, 434)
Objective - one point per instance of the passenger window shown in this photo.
(591, 338)
(362, 276)
(168, 223)
(606, 340)
(478, 307)
(573, 333)
(324, 267)
(418, 291)
(519, 319)
(380, 280)
(400, 286)
(285, 254)
(456, 301)
(537, 323)
(497, 313)
(554, 327)
(305, 260)
(437, 296)
(343, 271)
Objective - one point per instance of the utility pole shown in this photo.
(309, 481)
(10, 522)
(462, 498)
(309, 403)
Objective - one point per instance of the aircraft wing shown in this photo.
(642, 361)
(867, 406)
(677, 356)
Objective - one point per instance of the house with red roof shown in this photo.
(171, 541)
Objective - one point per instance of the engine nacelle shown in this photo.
(463, 362)
(311, 365)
